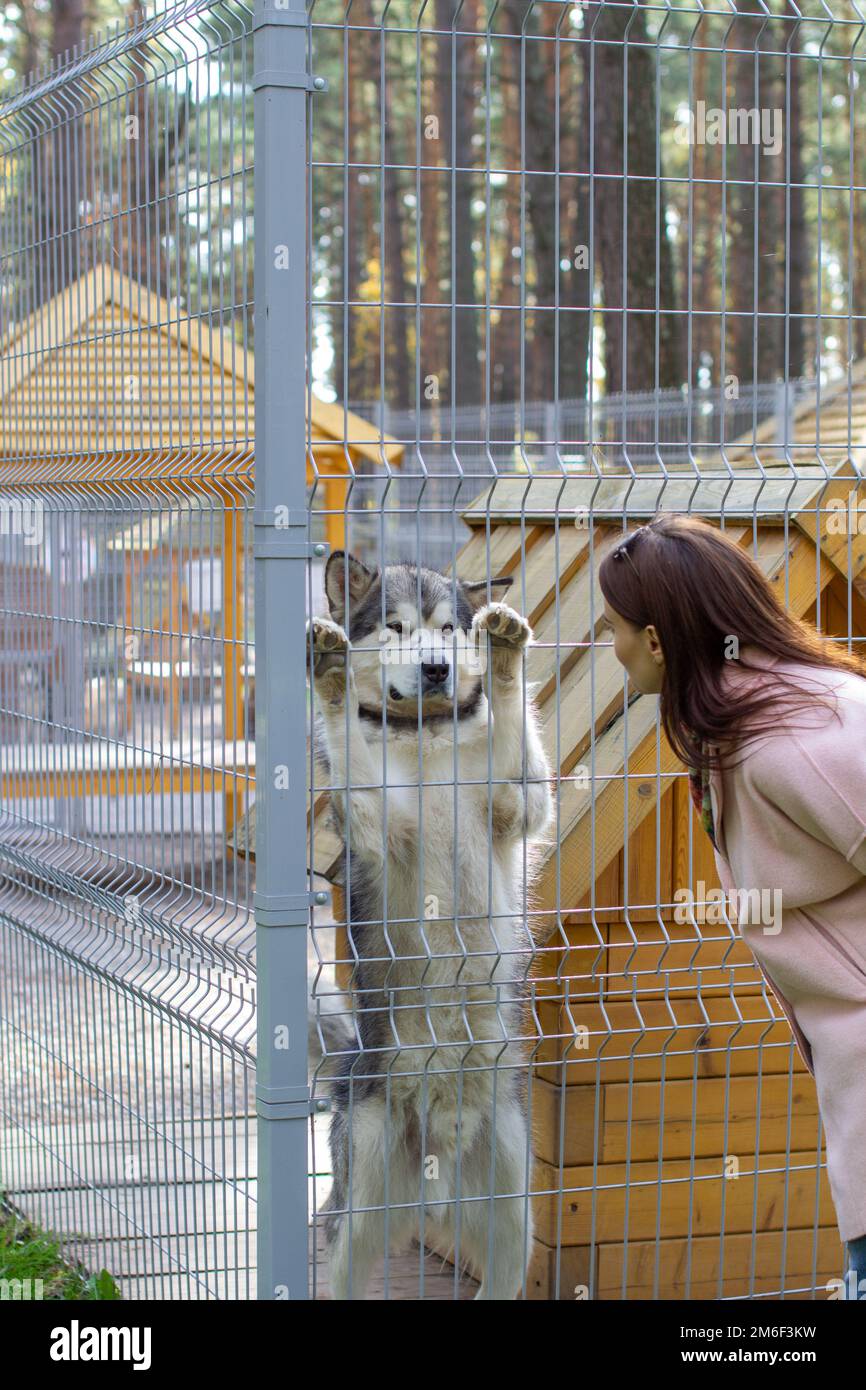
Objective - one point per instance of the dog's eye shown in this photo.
(395, 627)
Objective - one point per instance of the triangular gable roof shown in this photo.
(108, 367)
(182, 530)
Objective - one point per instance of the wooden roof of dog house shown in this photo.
(106, 377)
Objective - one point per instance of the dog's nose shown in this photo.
(436, 672)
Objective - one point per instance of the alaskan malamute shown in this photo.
(447, 782)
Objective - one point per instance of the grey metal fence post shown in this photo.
(282, 904)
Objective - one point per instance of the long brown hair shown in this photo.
(699, 589)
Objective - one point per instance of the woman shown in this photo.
(771, 720)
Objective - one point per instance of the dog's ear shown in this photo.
(343, 569)
(476, 591)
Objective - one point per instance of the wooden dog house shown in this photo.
(116, 400)
(108, 384)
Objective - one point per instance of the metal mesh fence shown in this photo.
(584, 263)
(524, 275)
(126, 734)
(637, 423)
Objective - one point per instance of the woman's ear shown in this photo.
(655, 646)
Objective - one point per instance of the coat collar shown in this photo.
(751, 655)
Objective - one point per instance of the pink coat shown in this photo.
(792, 817)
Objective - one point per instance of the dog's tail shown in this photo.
(332, 1042)
(330, 1034)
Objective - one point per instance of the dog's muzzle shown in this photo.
(435, 678)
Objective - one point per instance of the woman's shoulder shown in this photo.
(811, 765)
(837, 715)
(848, 687)
(761, 667)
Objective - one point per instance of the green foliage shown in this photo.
(432, 187)
(101, 1286)
(28, 1254)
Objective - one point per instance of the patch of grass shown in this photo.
(29, 1254)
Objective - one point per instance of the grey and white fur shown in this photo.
(448, 788)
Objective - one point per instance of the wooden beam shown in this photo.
(833, 521)
(151, 781)
(719, 1116)
(772, 498)
(678, 1197)
(679, 1038)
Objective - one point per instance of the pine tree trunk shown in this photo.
(575, 283)
(58, 170)
(398, 374)
(455, 79)
(347, 385)
(505, 335)
(531, 69)
(798, 246)
(757, 341)
(67, 25)
(637, 263)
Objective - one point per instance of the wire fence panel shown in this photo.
(449, 1001)
(556, 436)
(580, 264)
(128, 677)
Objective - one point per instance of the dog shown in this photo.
(448, 796)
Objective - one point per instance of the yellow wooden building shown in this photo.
(108, 384)
(117, 402)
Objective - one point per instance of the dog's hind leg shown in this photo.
(357, 1222)
(497, 1234)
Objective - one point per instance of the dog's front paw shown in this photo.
(505, 627)
(330, 647)
(328, 640)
